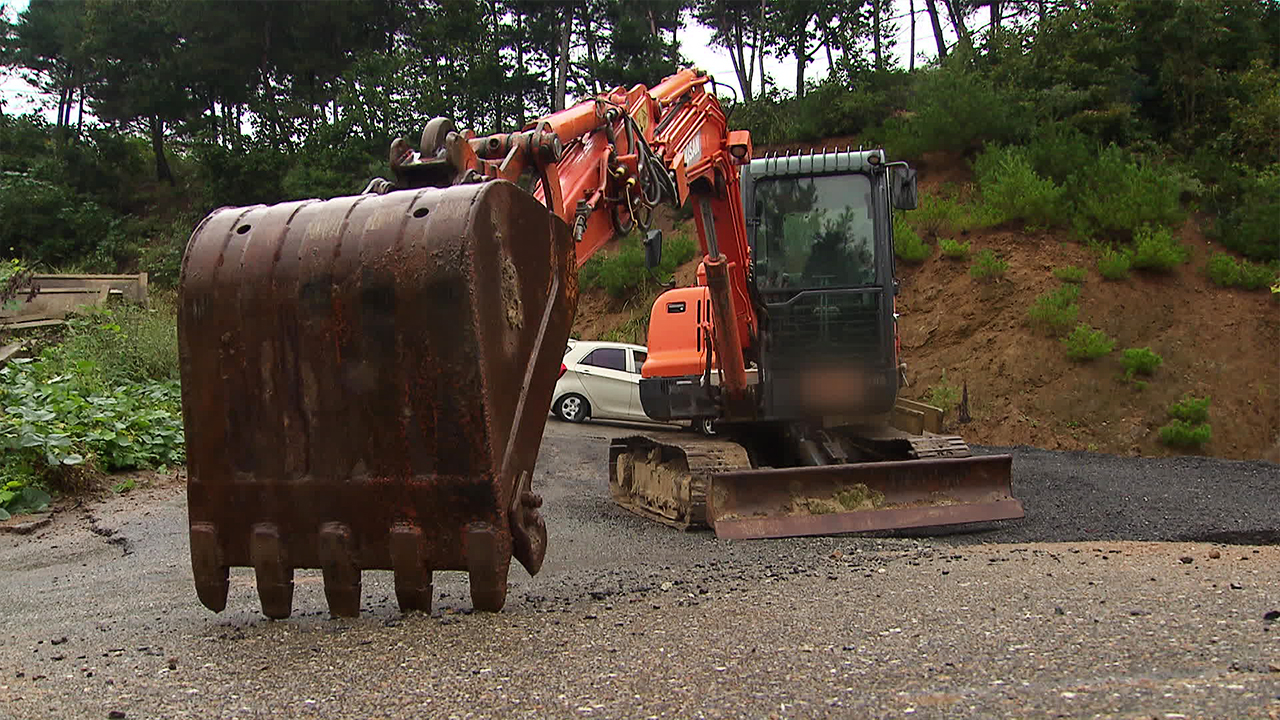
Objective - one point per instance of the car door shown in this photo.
(605, 376)
(637, 361)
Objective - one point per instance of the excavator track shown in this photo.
(665, 477)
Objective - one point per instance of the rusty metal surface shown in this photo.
(772, 503)
(365, 384)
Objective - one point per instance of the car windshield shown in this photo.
(814, 232)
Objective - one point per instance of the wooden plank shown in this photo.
(10, 350)
(27, 324)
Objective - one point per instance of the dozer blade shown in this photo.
(861, 497)
(365, 384)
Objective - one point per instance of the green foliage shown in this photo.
(1247, 202)
(1225, 271)
(959, 110)
(1190, 409)
(111, 346)
(1055, 311)
(1015, 191)
(623, 273)
(907, 244)
(1087, 343)
(1114, 264)
(988, 266)
(1120, 193)
(1070, 273)
(1140, 361)
(939, 216)
(953, 248)
(49, 223)
(1182, 434)
(1155, 248)
(943, 395)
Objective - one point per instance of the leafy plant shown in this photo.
(1070, 273)
(987, 265)
(1015, 191)
(1114, 264)
(1179, 433)
(1225, 271)
(1139, 361)
(907, 244)
(1087, 343)
(1155, 248)
(953, 248)
(1190, 408)
(1055, 311)
(624, 273)
(943, 395)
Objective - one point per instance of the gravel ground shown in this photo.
(1068, 613)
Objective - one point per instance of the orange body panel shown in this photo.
(678, 324)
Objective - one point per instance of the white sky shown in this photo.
(17, 96)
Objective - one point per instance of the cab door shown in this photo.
(607, 379)
(637, 360)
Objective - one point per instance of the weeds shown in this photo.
(1070, 273)
(907, 244)
(1087, 343)
(1189, 427)
(1056, 311)
(1224, 271)
(943, 395)
(1155, 248)
(1139, 361)
(954, 249)
(624, 272)
(1114, 264)
(988, 266)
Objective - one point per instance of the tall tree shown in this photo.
(932, 7)
(735, 26)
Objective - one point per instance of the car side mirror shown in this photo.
(904, 188)
(653, 249)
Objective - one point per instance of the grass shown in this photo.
(943, 395)
(954, 249)
(1070, 273)
(1055, 311)
(908, 246)
(623, 273)
(1114, 264)
(1087, 343)
(1189, 427)
(1156, 249)
(988, 266)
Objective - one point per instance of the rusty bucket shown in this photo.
(861, 497)
(365, 385)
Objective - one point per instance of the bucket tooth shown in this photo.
(341, 576)
(487, 564)
(413, 577)
(211, 574)
(274, 575)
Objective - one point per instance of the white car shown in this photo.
(599, 380)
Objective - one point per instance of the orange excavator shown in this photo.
(366, 379)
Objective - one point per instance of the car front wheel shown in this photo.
(573, 408)
(705, 426)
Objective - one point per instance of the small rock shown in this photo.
(58, 641)
(1214, 554)
(173, 663)
(116, 715)
(1237, 586)
(1274, 667)
(1059, 611)
(1272, 616)
(1186, 559)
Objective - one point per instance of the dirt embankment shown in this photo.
(1023, 390)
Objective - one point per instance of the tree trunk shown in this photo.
(995, 15)
(588, 36)
(911, 10)
(957, 21)
(875, 31)
(932, 7)
(157, 146)
(80, 116)
(562, 63)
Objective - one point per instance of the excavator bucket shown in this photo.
(365, 384)
(861, 497)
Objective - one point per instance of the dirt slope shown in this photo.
(1023, 390)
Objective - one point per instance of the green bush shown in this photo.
(943, 395)
(939, 215)
(1122, 192)
(1114, 264)
(1182, 434)
(1247, 203)
(1087, 343)
(907, 244)
(1224, 271)
(624, 273)
(953, 248)
(1013, 189)
(50, 224)
(1190, 409)
(956, 109)
(1055, 311)
(987, 266)
(1155, 248)
(1070, 273)
(1140, 361)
